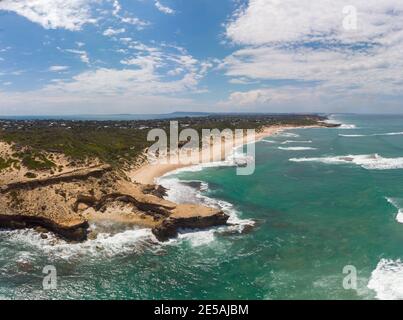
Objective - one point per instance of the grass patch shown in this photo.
(30, 175)
(36, 161)
(6, 163)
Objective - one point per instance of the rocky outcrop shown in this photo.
(330, 125)
(71, 231)
(156, 190)
(66, 203)
(170, 226)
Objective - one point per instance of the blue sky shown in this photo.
(149, 56)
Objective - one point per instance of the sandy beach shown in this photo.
(147, 173)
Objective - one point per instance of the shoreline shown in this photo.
(73, 199)
(148, 173)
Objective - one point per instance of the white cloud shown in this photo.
(143, 83)
(102, 91)
(40, 102)
(157, 78)
(303, 43)
(116, 8)
(5, 49)
(106, 82)
(268, 21)
(166, 60)
(242, 80)
(113, 32)
(52, 14)
(175, 71)
(164, 9)
(126, 18)
(375, 70)
(126, 40)
(268, 96)
(72, 14)
(58, 68)
(81, 53)
(140, 24)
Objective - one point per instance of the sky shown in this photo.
(157, 56)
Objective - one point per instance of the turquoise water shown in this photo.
(313, 210)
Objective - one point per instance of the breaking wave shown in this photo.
(347, 126)
(286, 141)
(296, 141)
(191, 191)
(296, 148)
(387, 280)
(397, 203)
(288, 135)
(372, 135)
(366, 161)
(104, 246)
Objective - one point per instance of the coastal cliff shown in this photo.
(67, 203)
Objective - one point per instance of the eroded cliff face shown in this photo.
(66, 203)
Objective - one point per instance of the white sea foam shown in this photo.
(387, 280)
(237, 156)
(197, 238)
(342, 125)
(347, 126)
(398, 204)
(352, 135)
(366, 161)
(296, 141)
(372, 135)
(104, 246)
(296, 148)
(179, 192)
(391, 134)
(24, 257)
(288, 134)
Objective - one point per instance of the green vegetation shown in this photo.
(30, 175)
(116, 142)
(109, 145)
(36, 161)
(4, 164)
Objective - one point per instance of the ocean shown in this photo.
(320, 199)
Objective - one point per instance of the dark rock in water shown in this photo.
(248, 228)
(193, 184)
(241, 163)
(44, 236)
(331, 125)
(245, 230)
(166, 230)
(71, 232)
(169, 227)
(25, 266)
